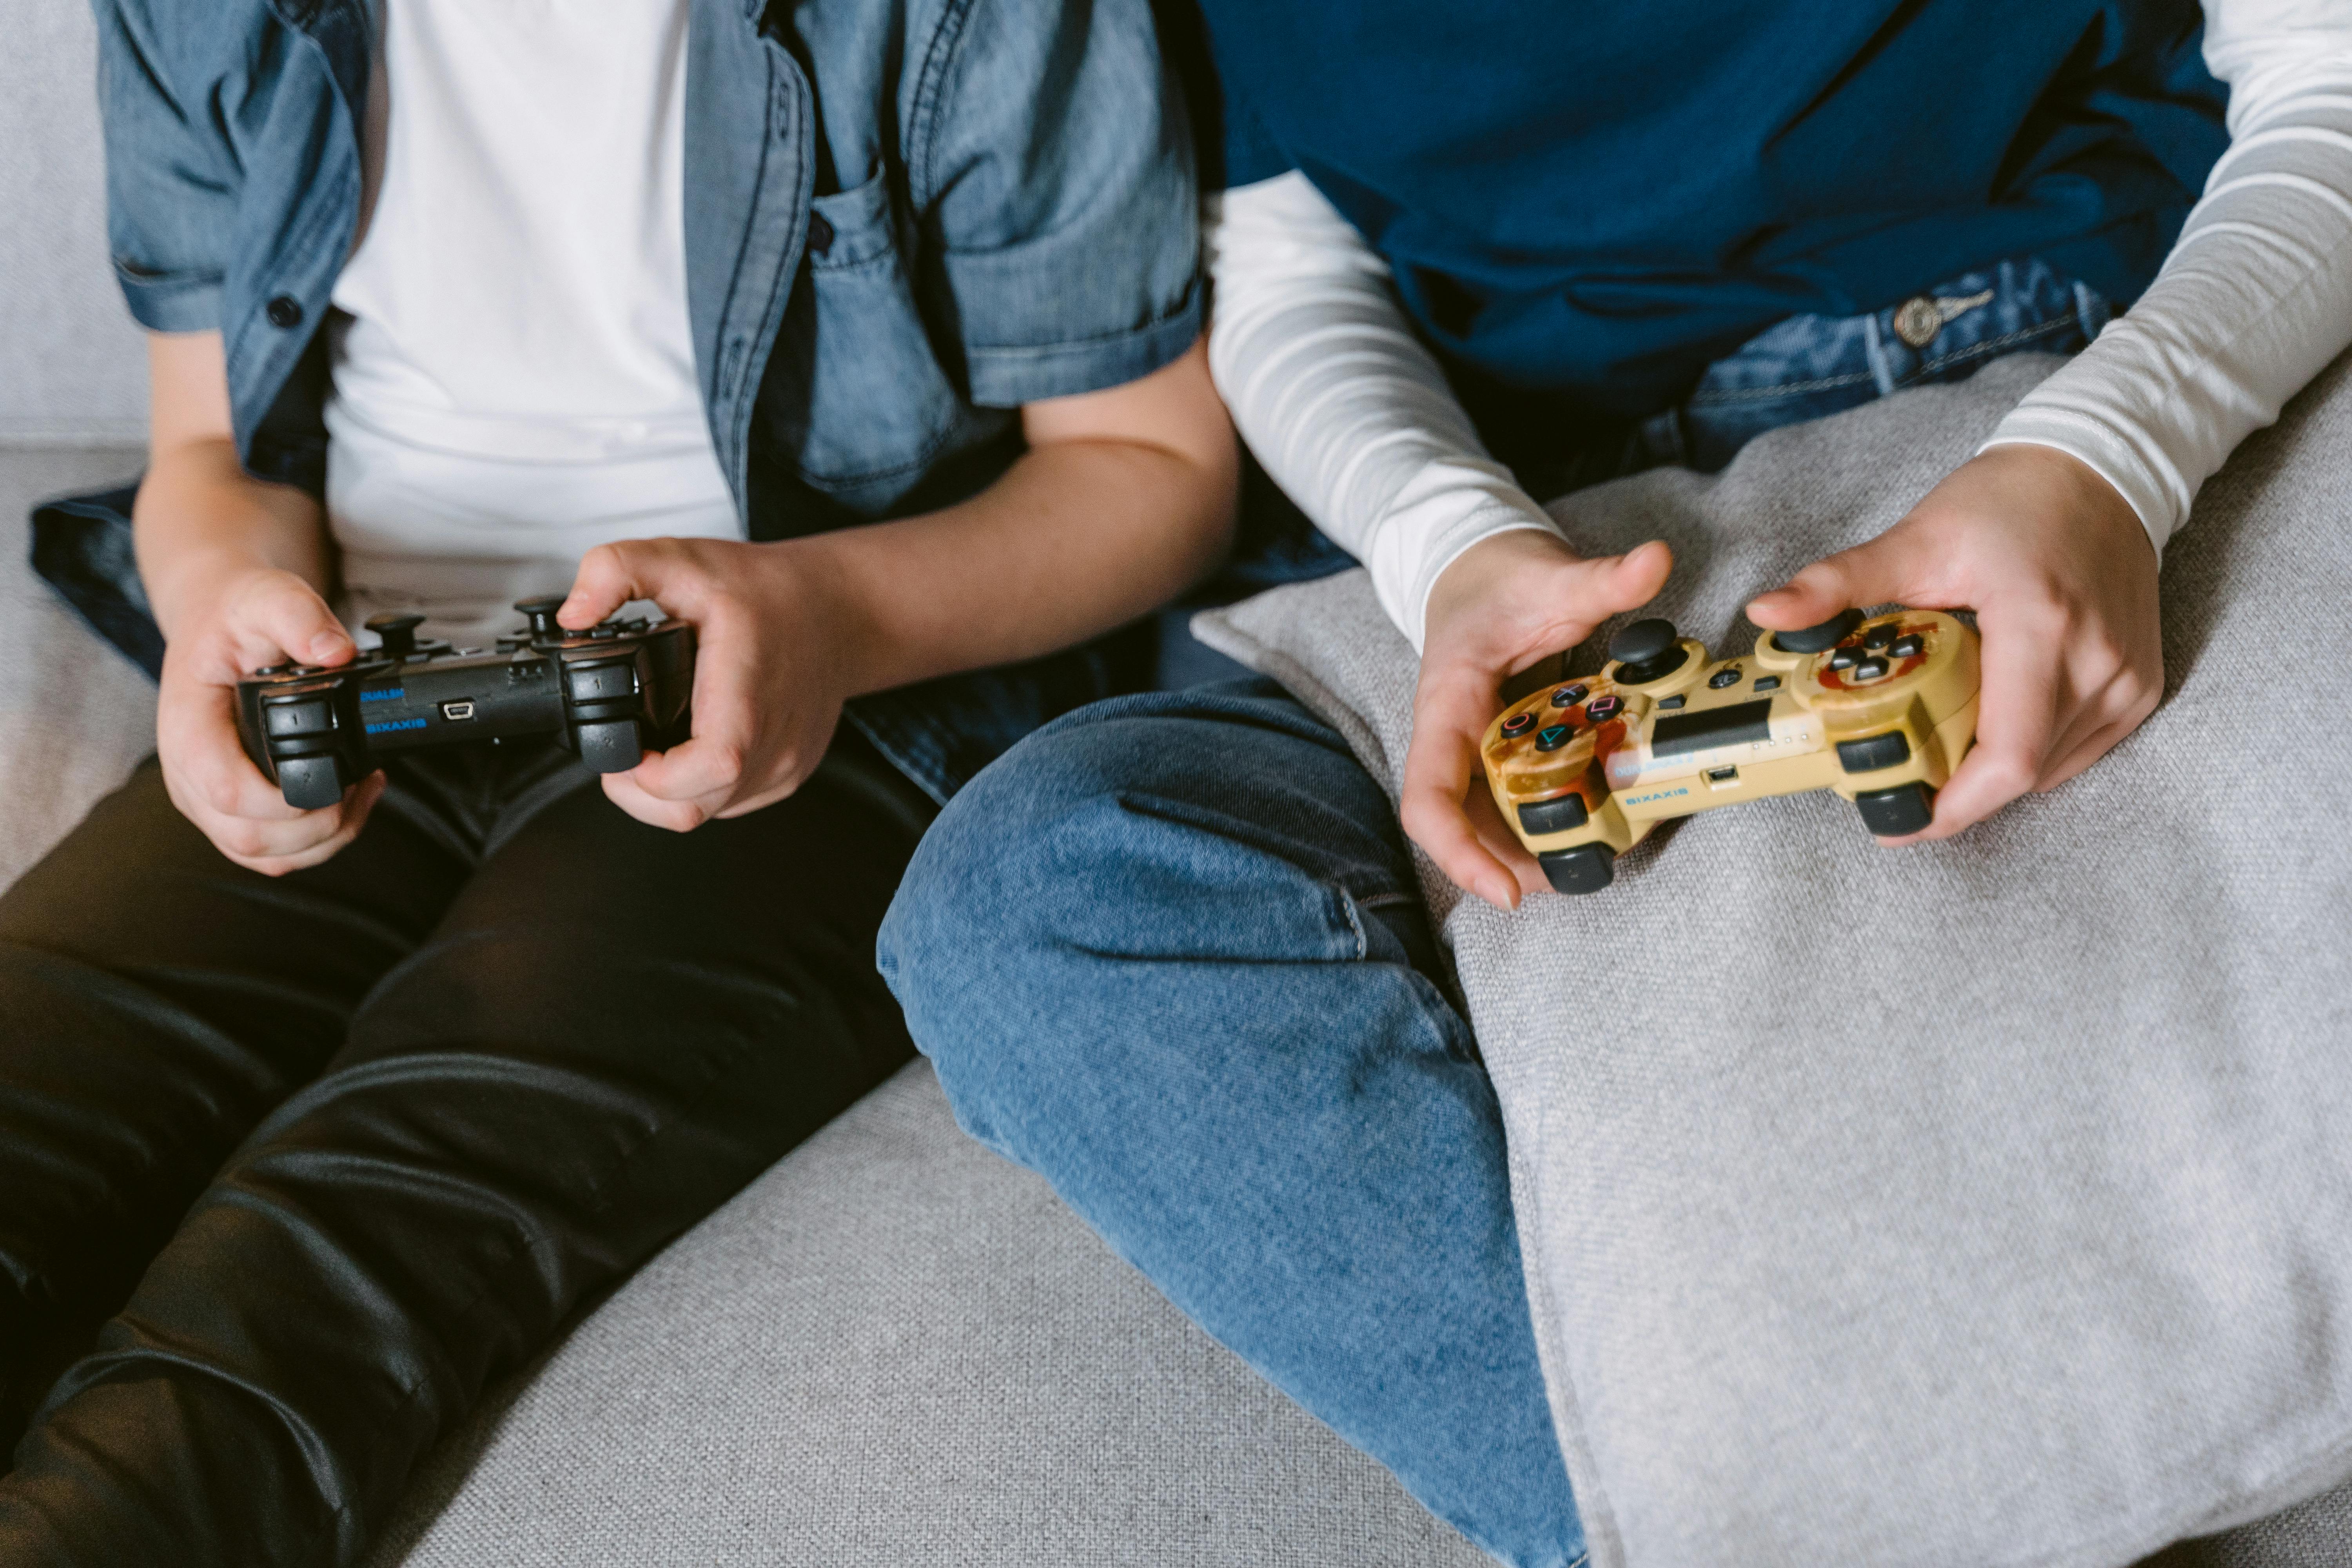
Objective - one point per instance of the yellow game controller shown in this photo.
(1880, 710)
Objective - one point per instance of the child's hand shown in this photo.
(2063, 579)
(773, 661)
(1503, 604)
(250, 617)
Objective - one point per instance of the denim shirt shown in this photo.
(902, 223)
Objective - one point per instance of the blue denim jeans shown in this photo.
(1175, 959)
(1170, 952)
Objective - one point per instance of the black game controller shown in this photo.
(611, 693)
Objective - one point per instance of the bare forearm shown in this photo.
(1125, 496)
(200, 517)
(1073, 539)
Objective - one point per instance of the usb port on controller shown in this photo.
(454, 711)
(1719, 777)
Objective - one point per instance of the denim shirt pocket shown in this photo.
(880, 407)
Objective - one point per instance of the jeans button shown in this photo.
(1917, 321)
(284, 311)
(820, 235)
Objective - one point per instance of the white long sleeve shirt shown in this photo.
(1350, 414)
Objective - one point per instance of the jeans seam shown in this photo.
(1990, 345)
(1781, 389)
(1347, 906)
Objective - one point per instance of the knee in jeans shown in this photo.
(987, 937)
(1117, 869)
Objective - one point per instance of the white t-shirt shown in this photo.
(515, 383)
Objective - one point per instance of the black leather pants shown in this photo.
(290, 1169)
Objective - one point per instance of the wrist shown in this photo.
(200, 526)
(2112, 486)
(824, 595)
(1408, 562)
(190, 594)
(1488, 569)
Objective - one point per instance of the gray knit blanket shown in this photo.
(1980, 1205)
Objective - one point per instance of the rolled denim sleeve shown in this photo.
(1056, 174)
(171, 177)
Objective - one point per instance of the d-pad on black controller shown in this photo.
(611, 693)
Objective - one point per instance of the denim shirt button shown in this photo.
(284, 311)
(820, 235)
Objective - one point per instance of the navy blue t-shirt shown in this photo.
(1595, 201)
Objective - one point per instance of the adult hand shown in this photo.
(251, 616)
(1503, 604)
(2063, 579)
(775, 639)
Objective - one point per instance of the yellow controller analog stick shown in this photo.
(1879, 709)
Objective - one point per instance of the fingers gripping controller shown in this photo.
(609, 693)
(1879, 710)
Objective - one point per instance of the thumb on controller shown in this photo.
(611, 575)
(286, 613)
(1852, 579)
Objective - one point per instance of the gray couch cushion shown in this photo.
(1976, 1203)
(895, 1349)
(73, 367)
(75, 715)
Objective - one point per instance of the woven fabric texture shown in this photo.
(897, 1350)
(76, 370)
(75, 715)
(1971, 1205)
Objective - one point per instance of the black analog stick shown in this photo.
(1646, 650)
(1814, 640)
(398, 630)
(542, 614)
(1643, 641)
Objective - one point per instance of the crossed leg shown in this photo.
(1170, 952)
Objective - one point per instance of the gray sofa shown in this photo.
(893, 1348)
